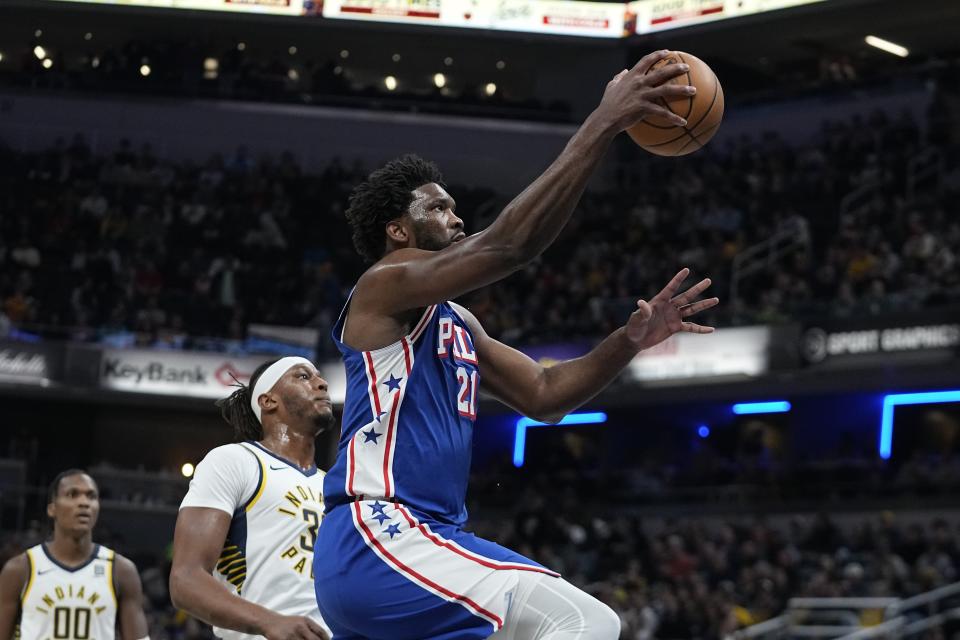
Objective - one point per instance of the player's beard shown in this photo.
(306, 410)
(429, 238)
(323, 421)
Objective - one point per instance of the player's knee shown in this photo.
(604, 623)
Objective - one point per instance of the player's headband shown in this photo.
(269, 378)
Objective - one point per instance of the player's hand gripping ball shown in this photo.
(703, 111)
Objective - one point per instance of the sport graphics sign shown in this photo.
(883, 338)
(191, 374)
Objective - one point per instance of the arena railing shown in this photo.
(859, 198)
(925, 168)
(761, 256)
(818, 617)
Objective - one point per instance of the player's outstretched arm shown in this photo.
(12, 580)
(547, 394)
(197, 542)
(412, 278)
(133, 623)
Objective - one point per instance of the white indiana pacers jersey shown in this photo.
(60, 603)
(276, 509)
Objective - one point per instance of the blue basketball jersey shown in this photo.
(408, 417)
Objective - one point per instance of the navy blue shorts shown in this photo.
(383, 571)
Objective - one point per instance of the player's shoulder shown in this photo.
(236, 457)
(21, 561)
(16, 569)
(461, 310)
(122, 564)
(385, 271)
(106, 553)
(467, 317)
(126, 578)
(231, 451)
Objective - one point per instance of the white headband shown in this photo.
(269, 378)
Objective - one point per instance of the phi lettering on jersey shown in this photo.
(453, 337)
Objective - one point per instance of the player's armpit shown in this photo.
(13, 578)
(133, 622)
(414, 278)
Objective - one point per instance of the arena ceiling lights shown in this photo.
(886, 45)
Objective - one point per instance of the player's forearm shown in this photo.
(133, 623)
(532, 221)
(6, 628)
(199, 594)
(570, 384)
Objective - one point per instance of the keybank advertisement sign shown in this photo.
(192, 374)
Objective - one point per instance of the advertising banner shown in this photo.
(31, 363)
(737, 351)
(558, 17)
(192, 374)
(660, 15)
(555, 17)
(273, 7)
(868, 341)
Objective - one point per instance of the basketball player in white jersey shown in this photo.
(243, 547)
(70, 588)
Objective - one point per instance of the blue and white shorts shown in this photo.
(383, 571)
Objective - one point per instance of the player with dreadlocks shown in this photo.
(243, 546)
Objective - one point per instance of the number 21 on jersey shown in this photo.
(467, 396)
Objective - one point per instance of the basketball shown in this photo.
(703, 111)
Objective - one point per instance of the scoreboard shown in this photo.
(554, 17)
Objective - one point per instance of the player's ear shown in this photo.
(50, 509)
(268, 402)
(397, 231)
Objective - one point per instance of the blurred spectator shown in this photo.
(131, 242)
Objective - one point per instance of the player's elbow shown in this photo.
(547, 415)
(176, 591)
(543, 403)
(180, 583)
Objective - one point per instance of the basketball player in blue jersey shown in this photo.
(243, 544)
(71, 587)
(392, 561)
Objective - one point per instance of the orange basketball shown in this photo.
(703, 111)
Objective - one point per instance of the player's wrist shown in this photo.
(601, 125)
(629, 344)
(267, 622)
